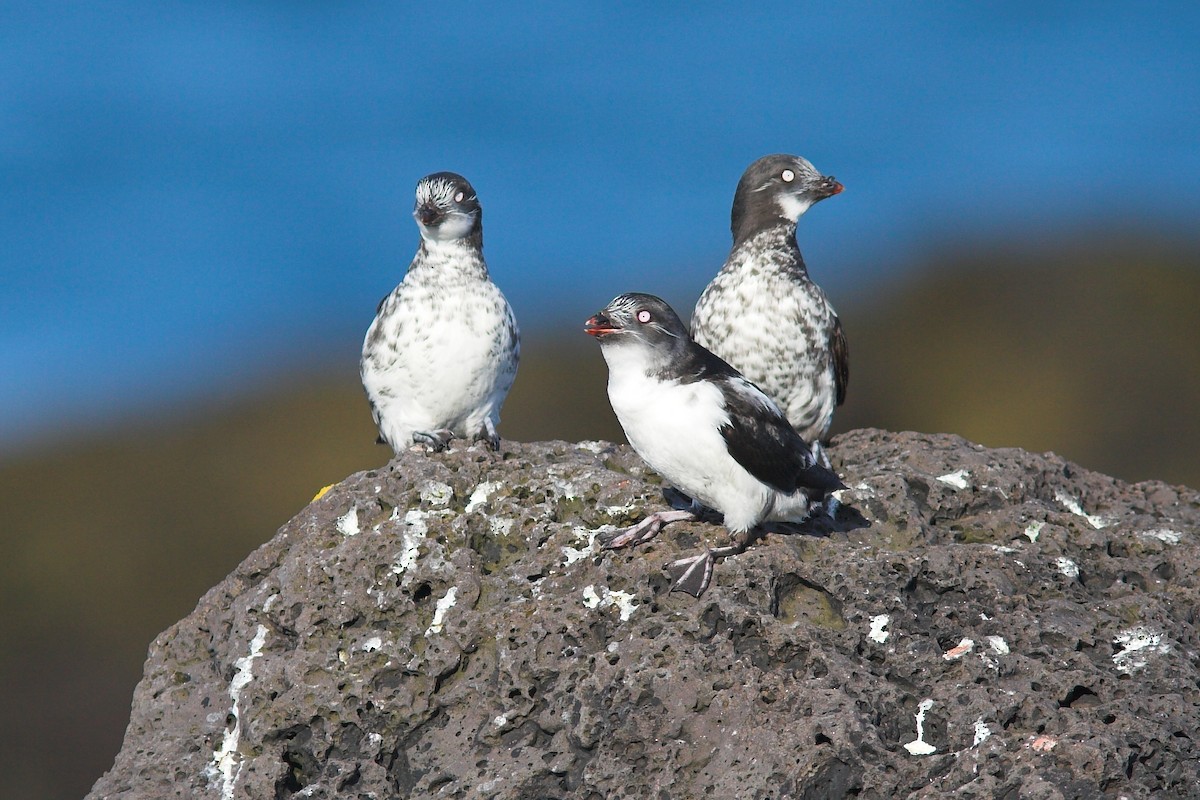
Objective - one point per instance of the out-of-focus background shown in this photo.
(203, 202)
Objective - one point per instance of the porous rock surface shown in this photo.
(973, 623)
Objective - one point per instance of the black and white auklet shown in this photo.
(763, 314)
(442, 353)
(705, 428)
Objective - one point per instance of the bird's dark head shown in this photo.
(774, 188)
(447, 208)
(638, 318)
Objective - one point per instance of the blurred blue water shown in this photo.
(196, 193)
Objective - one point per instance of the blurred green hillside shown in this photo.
(1091, 351)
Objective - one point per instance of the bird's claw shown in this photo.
(487, 434)
(640, 533)
(645, 530)
(437, 441)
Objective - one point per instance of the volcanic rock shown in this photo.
(971, 622)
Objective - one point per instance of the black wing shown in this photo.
(841, 359)
(758, 435)
(759, 438)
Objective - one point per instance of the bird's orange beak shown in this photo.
(830, 187)
(598, 326)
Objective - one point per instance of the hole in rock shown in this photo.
(1080, 696)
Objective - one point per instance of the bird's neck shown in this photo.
(630, 361)
(770, 248)
(749, 225)
(453, 257)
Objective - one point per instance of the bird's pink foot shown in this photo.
(647, 529)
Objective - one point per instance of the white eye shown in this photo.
(788, 175)
(458, 198)
(643, 316)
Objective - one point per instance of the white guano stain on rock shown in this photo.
(861, 490)
(879, 632)
(1067, 567)
(414, 520)
(1163, 535)
(592, 446)
(372, 644)
(588, 538)
(1138, 644)
(414, 532)
(1033, 530)
(918, 746)
(480, 495)
(569, 490)
(957, 479)
(997, 644)
(347, 524)
(590, 598)
(436, 493)
(439, 612)
(1072, 505)
(410, 550)
(619, 512)
(226, 758)
(623, 601)
(982, 732)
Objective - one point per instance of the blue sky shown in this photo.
(194, 195)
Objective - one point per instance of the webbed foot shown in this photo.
(694, 574)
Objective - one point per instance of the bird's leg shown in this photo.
(437, 440)
(647, 529)
(822, 502)
(679, 500)
(693, 574)
(487, 434)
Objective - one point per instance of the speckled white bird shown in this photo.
(763, 313)
(442, 353)
(706, 429)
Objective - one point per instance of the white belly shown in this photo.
(449, 370)
(675, 428)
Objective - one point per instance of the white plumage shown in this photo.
(442, 352)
